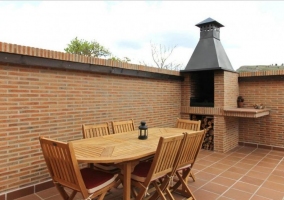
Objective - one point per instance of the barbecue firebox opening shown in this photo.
(202, 90)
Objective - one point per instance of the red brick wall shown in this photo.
(41, 101)
(185, 94)
(225, 128)
(219, 86)
(226, 131)
(231, 89)
(267, 130)
(226, 90)
(55, 103)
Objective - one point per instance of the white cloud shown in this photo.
(252, 34)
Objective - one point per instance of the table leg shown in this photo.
(127, 180)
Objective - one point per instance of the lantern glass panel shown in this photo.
(143, 131)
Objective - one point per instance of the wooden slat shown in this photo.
(163, 164)
(126, 146)
(127, 149)
(123, 126)
(187, 156)
(188, 124)
(64, 169)
(96, 130)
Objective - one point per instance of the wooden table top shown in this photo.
(120, 147)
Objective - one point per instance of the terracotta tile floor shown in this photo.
(245, 173)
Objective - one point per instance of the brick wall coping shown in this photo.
(262, 73)
(61, 56)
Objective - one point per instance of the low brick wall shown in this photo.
(52, 94)
(54, 102)
(266, 131)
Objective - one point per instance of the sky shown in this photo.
(252, 32)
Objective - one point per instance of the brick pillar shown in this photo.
(185, 91)
(185, 95)
(226, 133)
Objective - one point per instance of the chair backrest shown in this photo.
(165, 157)
(190, 148)
(97, 130)
(123, 126)
(188, 124)
(62, 164)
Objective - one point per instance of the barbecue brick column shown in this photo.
(185, 94)
(226, 129)
(226, 133)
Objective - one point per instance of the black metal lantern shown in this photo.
(143, 131)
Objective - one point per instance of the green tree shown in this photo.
(125, 59)
(93, 48)
(84, 47)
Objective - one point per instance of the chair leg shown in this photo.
(118, 182)
(63, 193)
(185, 191)
(159, 191)
(141, 194)
(163, 186)
(134, 193)
(102, 196)
(184, 177)
(192, 176)
(72, 195)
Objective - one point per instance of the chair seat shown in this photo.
(105, 166)
(95, 180)
(141, 171)
(184, 167)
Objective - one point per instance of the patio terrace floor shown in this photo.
(244, 173)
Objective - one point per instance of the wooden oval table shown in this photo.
(124, 149)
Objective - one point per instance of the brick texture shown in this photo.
(267, 130)
(226, 90)
(55, 103)
(231, 89)
(37, 101)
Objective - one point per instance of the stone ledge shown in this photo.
(245, 112)
(230, 112)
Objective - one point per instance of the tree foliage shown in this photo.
(160, 53)
(84, 47)
(125, 59)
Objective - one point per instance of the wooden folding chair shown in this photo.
(189, 125)
(158, 172)
(123, 126)
(188, 153)
(96, 130)
(65, 172)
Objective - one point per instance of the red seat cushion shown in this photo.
(141, 171)
(95, 179)
(105, 166)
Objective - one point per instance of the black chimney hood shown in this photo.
(209, 53)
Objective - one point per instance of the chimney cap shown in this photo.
(209, 21)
